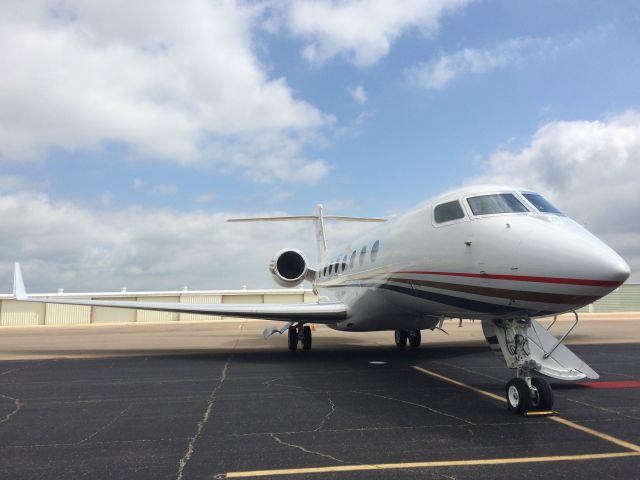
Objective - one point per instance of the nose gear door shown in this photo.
(529, 347)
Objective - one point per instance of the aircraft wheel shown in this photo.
(306, 338)
(401, 338)
(542, 395)
(415, 337)
(293, 338)
(518, 395)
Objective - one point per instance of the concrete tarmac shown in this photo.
(203, 401)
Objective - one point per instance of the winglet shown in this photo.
(19, 292)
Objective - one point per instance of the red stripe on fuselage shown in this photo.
(525, 278)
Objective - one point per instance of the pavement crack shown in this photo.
(419, 405)
(267, 383)
(332, 410)
(18, 406)
(29, 365)
(207, 412)
(203, 421)
(301, 448)
(104, 427)
(602, 409)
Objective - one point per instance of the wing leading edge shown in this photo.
(298, 312)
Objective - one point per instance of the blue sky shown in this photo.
(189, 113)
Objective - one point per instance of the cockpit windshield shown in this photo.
(541, 203)
(496, 203)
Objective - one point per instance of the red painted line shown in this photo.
(604, 385)
(524, 278)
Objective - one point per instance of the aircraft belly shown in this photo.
(374, 309)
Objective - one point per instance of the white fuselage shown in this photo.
(482, 266)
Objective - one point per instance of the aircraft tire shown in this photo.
(415, 338)
(542, 398)
(306, 339)
(293, 338)
(401, 338)
(518, 396)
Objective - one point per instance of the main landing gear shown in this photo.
(413, 336)
(300, 334)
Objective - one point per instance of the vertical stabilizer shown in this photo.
(321, 238)
(19, 291)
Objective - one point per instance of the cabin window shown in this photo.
(352, 262)
(494, 204)
(324, 271)
(330, 268)
(344, 262)
(363, 253)
(374, 250)
(446, 212)
(541, 203)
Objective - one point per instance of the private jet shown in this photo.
(498, 254)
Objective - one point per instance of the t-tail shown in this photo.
(318, 219)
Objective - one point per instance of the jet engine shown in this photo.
(289, 268)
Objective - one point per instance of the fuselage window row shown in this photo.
(340, 265)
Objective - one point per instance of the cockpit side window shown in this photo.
(496, 203)
(541, 203)
(446, 212)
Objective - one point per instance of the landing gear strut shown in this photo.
(300, 334)
(413, 336)
(525, 393)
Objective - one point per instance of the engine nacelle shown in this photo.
(289, 268)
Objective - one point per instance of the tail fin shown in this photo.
(318, 219)
(19, 292)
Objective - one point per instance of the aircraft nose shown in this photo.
(574, 253)
(618, 269)
(604, 263)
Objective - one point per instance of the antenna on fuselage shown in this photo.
(318, 219)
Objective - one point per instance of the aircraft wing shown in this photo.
(326, 313)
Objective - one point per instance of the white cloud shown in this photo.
(439, 73)
(363, 31)
(358, 94)
(14, 183)
(83, 74)
(590, 169)
(64, 245)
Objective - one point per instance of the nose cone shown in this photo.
(574, 253)
(604, 265)
(614, 267)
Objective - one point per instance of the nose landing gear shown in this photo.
(529, 394)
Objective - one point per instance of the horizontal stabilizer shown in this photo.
(286, 218)
(317, 218)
